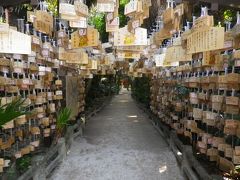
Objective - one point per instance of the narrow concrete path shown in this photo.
(119, 144)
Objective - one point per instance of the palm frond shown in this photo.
(63, 118)
(12, 110)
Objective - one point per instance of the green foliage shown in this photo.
(224, 15)
(123, 20)
(97, 20)
(53, 6)
(234, 174)
(123, 2)
(11, 173)
(228, 15)
(122, 17)
(11, 111)
(99, 87)
(23, 163)
(63, 118)
(141, 89)
(182, 91)
(2, 20)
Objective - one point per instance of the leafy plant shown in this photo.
(23, 163)
(53, 6)
(98, 87)
(122, 17)
(182, 91)
(234, 174)
(97, 19)
(141, 90)
(11, 172)
(228, 15)
(11, 111)
(62, 121)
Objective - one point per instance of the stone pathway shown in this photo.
(119, 143)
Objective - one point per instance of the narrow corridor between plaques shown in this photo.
(119, 143)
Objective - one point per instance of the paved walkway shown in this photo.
(119, 144)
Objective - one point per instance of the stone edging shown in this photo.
(190, 167)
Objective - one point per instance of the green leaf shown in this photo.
(53, 6)
(11, 111)
(63, 118)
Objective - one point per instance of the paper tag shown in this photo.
(68, 9)
(18, 70)
(45, 52)
(82, 32)
(109, 16)
(5, 70)
(53, 126)
(33, 54)
(51, 49)
(42, 68)
(135, 24)
(31, 59)
(17, 56)
(105, 7)
(46, 46)
(82, 23)
(90, 76)
(228, 44)
(61, 34)
(59, 93)
(59, 42)
(41, 115)
(42, 73)
(25, 81)
(35, 40)
(48, 69)
(18, 155)
(130, 7)
(115, 22)
(83, 67)
(31, 16)
(7, 162)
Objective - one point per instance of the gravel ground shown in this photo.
(119, 144)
